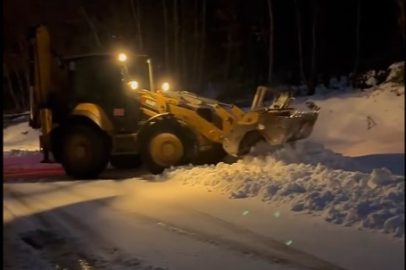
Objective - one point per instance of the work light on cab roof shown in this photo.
(133, 85)
(122, 57)
(165, 86)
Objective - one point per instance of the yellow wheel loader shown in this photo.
(93, 110)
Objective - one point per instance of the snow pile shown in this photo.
(340, 83)
(396, 72)
(309, 153)
(361, 123)
(290, 177)
(20, 137)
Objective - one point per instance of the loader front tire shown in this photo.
(85, 152)
(167, 143)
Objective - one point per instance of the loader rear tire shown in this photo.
(167, 143)
(85, 152)
(126, 161)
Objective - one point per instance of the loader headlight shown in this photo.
(165, 86)
(133, 85)
(122, 57)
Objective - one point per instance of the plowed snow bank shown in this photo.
(309, 179)
(362, 123)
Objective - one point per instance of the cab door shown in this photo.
(99, 80)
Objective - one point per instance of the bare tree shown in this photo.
(21, 92)
(299, 38)
(91, 26)
(183, 39)
(196, 42)
(312, 78)
(401, 17)
(134, 13)
(176, 38)
(203, 44)
(140, 39)
(135, 8)
(166, 34)
(357, 37)
(270, 69)
(10, 86)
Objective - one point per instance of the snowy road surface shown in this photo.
(149, 221)
(118, 223)
(172, 226)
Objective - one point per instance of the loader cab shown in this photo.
(92, 76)
(109, 82)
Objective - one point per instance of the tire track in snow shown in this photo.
(282, 249)
(266, 253)
(82, 257)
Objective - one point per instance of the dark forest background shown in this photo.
(230, 46)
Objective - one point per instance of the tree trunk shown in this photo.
(21, 87)
(140, 39)
(357, 38)
(229, 47)
(401, 18)
(270, 68)
(312, 78)
(203, 45)
(91, 26)
(196, 45)
(183, 37)
(11, 89)
(135, 19)
(299, 38)
(166, 38)
(176, 38)
(25, 70)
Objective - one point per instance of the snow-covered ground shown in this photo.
(329, 198)
(20, 137)
(364, 123)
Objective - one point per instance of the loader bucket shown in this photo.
(276, 127)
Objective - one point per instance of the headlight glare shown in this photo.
(133, 85)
